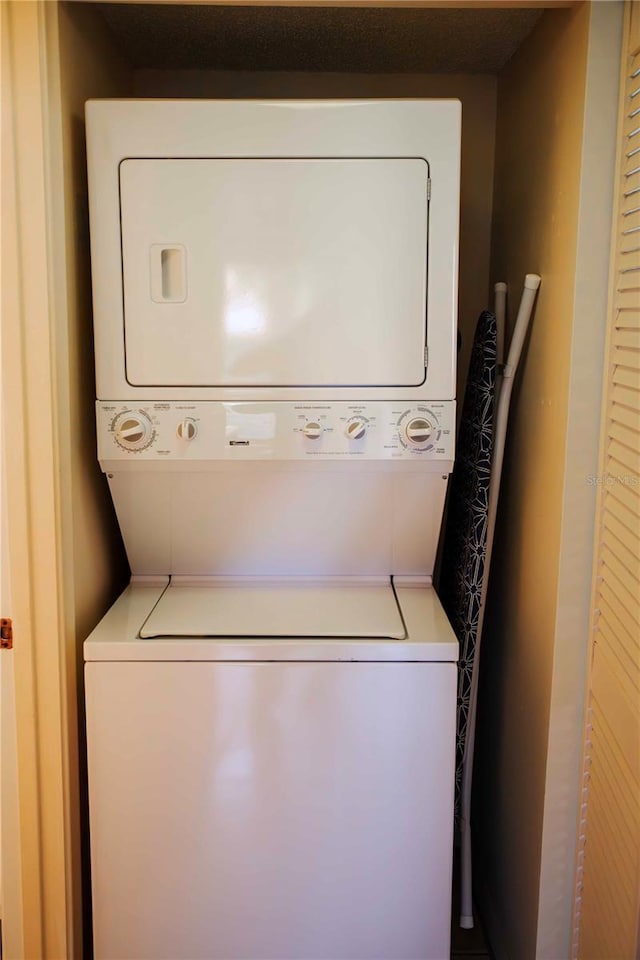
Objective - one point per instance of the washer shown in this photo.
(271, 703)
(271, 796)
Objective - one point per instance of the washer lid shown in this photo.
(276, 609)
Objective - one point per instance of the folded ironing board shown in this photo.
(471, 516)
(465, 545)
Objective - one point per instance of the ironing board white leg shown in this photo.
(466, 890)
(466, 872)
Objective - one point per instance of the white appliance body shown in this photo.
(274, 250)
(271, 703)
(250, 493)
(273, 796)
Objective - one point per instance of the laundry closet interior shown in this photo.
(520, 73)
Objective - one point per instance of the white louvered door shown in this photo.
(608, 873)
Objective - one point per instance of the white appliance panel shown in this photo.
(317, 523)
(195, 434)
(322, 139)
(278, 488)
(275, 609)
(246, 810)
(275, 272)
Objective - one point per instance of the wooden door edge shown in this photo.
(44, 727)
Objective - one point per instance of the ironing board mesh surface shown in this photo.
(465, 544)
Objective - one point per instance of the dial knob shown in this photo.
(418, 431)
(355, 429)
(187, 429)
(133, 431)
(312, 431)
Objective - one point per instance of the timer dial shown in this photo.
(418, 431)
(133, 430)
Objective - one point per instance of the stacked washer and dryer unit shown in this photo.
(271, 702)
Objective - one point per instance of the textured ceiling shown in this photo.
(348, 39)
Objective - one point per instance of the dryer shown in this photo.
(271, 703)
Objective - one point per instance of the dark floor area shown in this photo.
(468, 943)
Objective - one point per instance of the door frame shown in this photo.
(35, 521)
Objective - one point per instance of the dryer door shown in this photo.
(274, 272)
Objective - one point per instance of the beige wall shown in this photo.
(478, 96)
(96, 566)
(90, 67)
(563, 795)
(536, 204)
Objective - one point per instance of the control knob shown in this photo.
(312, 431)
(133, 431)
(355, 429)
(187, 429)
(418, 431)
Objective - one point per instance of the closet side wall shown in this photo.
(536, 205)
(90, 67)
(478, 96)
(563, 794)
(97, 570)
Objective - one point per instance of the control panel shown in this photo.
(276, 431)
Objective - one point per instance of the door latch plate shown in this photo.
(6, 633)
